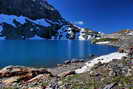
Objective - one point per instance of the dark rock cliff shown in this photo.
(34, 9)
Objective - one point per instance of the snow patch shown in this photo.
(36, 38)
(7, 19)
(103, 59)
(105, 42)
(21, 19)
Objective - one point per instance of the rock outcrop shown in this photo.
(28, 30)
(33, 9)
(11, 71)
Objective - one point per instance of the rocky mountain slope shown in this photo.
(19, 19)
(31, 19)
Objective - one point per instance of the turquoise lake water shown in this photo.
(47, 52)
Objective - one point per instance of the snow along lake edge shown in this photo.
(103, 59)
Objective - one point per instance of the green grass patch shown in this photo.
(10, 88)
(104, 39)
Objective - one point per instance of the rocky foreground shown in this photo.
(113, 74)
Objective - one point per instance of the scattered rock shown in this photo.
(121, 50)
(98, 65)
(64, 74)
(110, 86)
(58, 65)
(74, 61)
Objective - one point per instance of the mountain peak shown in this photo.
(14, 12)
(33, 9)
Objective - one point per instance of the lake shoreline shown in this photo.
(44, 53)
(63, 74)
(61, 71)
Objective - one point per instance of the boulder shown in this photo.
(77, 60)
(129, 73)
(11, 80)
(38, 78)
(67, 62)
(74, 61)
(130, 52)
(64, 74)
(121, 50)
(58, 65)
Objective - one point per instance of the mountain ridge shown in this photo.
(27, 13)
